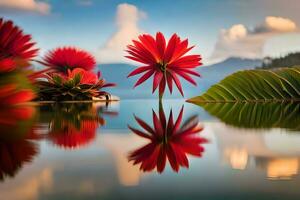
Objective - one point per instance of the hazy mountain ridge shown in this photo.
(211, 74)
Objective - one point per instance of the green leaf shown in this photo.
(279, 85)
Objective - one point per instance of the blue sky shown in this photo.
(92, 24)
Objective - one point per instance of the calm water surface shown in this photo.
(87, 151)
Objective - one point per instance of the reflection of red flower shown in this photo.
(69, 136)
(13, 43)
(62, 59)
(165, 61)
(87, 77)
(13, 154)
(167, 141)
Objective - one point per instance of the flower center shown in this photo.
(165, 139)
(162, 66)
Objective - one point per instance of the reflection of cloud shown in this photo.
(268, 148)
(127, 29)
(242, 41)
(282, 168)
(31, 187)
(120, 145)
(27, 5)
(238, 158)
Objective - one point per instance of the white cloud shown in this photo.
(27, 5)
(242, 41)
(127, 29)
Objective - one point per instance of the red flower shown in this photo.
(7, 65)
(167, 140)
(87, 77)
(62, 59)
(165, 61)
(14, 43)
(70, 137)
(10, 95)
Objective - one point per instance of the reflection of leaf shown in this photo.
(255, 86)
(257, 115)
(13, 154)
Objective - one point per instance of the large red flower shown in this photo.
(7, 65)
(11, 95)
(14, 43)
(64, 58)
(165, 61)
(167, 140)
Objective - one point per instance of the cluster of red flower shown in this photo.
(68, 63)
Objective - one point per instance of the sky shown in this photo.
(219, 28)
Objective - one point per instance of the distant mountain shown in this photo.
(211, 74)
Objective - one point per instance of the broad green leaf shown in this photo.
(257, 85)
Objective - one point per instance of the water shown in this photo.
(82, 151)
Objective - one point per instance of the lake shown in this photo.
(100, 151)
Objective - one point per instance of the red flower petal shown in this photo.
(162, 86)
(144, 77)
(7, 65)
(65, 58)
(14, 43)
(171, 48)
(177, 82)
(161, 44)
(156, 80)
(139, 70)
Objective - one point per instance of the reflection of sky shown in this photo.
(97, 170)
(127, 109)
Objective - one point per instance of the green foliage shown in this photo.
(289, 60)
(257, 115)
(280, 85)
(17, 78)
(58, 89)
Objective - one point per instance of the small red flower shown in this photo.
(167, 140)
(64, 58)
(87, 77)
(14, 43)
(165, 61)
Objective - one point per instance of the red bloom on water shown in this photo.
(69, 136)
(167, 140)
(62, 59)
(86, 77)
(14, 43)
(165, 61)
